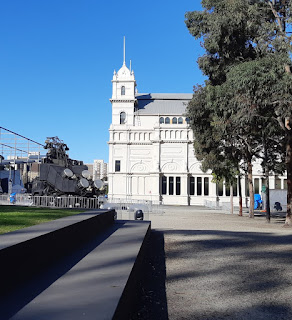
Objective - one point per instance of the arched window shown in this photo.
(167, 120)
(180, 120)
(122, 118)
(188, 120)
(161, 120)
(123, 90)
(174, 120)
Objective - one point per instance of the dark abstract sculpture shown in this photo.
(60, 175)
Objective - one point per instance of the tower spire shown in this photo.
(124, 62)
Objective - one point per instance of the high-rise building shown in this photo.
(99, 169)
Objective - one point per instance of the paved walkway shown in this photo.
(205, 264)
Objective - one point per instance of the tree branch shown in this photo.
(278, 18)
(281, 123)
(287, 123)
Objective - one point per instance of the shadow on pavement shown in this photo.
(151, 293)
(215, 274)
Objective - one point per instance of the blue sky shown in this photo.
(57, 59)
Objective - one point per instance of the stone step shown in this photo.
(95, 282)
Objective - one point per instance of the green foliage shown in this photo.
(257, 90)
(243, 105)
(234, 31)
(225, 30)
(212, 146)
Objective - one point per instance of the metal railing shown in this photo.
(123, 205)
(218, 205)
(50, 201)
(120, 205)
(81, 202)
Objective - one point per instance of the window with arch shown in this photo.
(188, 120)
(180, 120)
(167, 120)
(123, 90)
(161, 120)
(122, 118)
(174, 120)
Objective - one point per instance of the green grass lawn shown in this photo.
(17, 217)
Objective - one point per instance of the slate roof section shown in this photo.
(162, 103)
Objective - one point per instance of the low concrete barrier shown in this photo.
(100, 286)
(81, 267)
(25, 252)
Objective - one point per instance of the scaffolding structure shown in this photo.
(17, 156)
(14, 146)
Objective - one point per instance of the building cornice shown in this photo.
(149, 142)
(175, 141)
(130, 143)
(123, 80)
(123, 100)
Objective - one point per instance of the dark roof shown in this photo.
(162, 103)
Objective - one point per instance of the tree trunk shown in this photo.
(266, 170)
(268, 209)
(231, 199)
(288, 221)
(250, 186)
(217, 196)
(289, 178)
(240, 195)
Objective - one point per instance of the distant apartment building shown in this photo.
(90, 168)
(99, 169)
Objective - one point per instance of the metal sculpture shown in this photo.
(60, 175)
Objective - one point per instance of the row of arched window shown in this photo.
(162, 120)
(133, 136)
(147, 136)
(174, 120)
(173, 134)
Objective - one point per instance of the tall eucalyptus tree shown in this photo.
(248, 65)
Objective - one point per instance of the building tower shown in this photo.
(123, 95)
(123, 103)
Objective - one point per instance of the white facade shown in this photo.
(151, 155)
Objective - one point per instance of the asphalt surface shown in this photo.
(204, 264)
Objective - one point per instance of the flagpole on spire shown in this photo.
(124, 63)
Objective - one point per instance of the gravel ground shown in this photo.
(204, 264)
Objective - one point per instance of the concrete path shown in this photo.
(205, 264)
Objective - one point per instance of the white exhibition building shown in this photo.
(151, 154)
